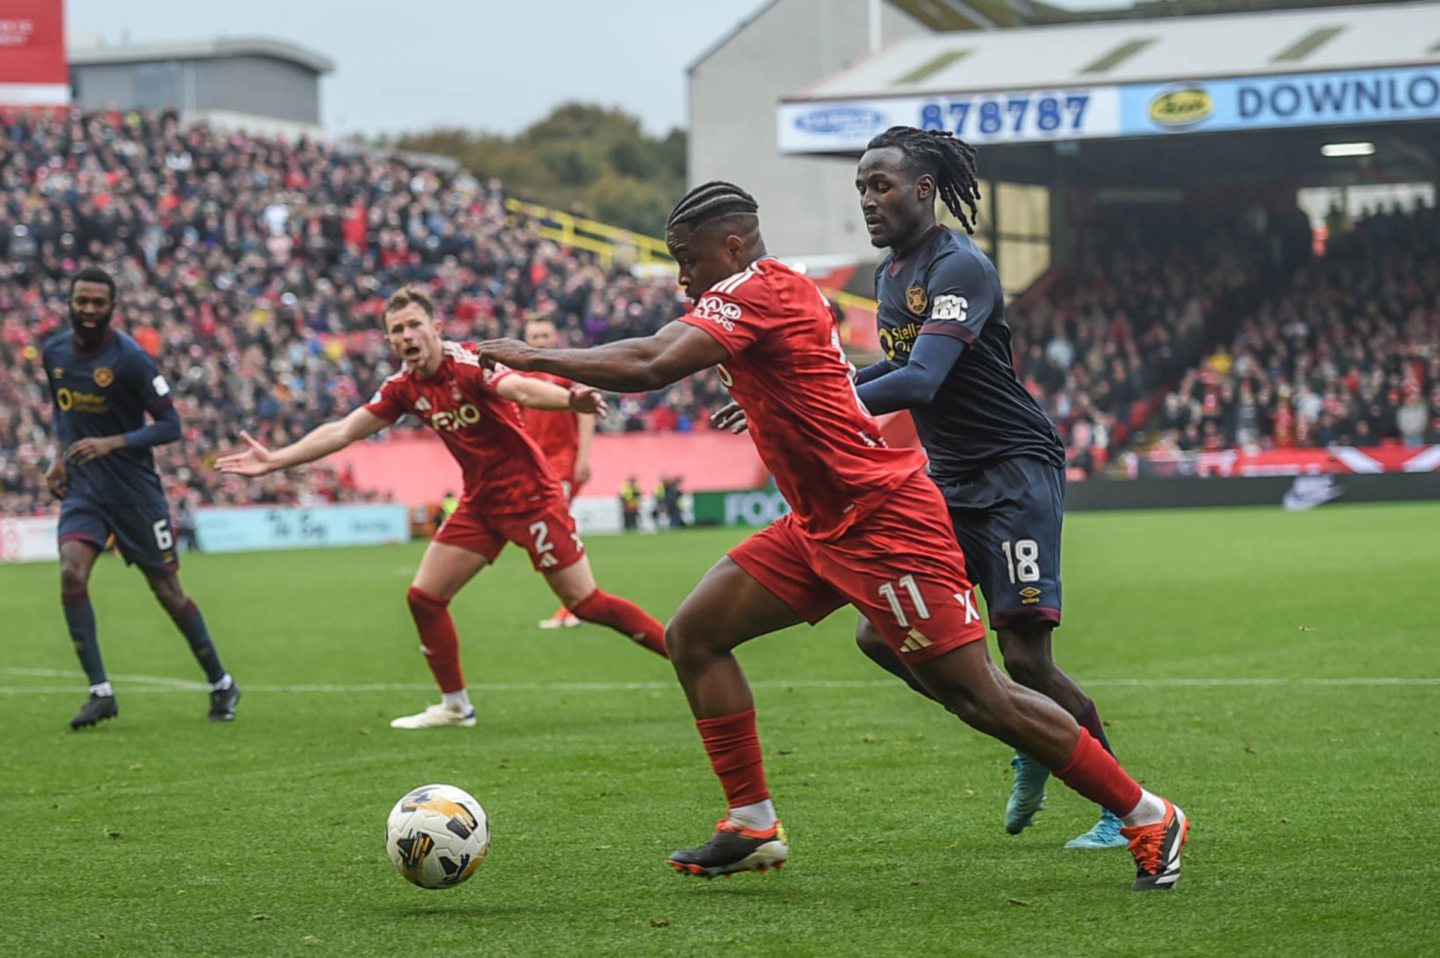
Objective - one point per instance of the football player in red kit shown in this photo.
(564, 435)
(868, 529)
(511, 493)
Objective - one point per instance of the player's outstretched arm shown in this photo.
(257, 460)
(625, 366)
(538, 394)
(917, 382)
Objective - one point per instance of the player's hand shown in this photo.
(93, 447)
(582, 473)
(58, 479)
(587, 399)
(255, 460)
(506, 352)
(730, 418)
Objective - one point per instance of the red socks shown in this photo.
(734, 749)
(624, 617)
(438, 639)
(1094, 773)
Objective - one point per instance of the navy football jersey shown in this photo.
(105, 393)
(982, 414)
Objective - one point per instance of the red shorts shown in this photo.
(900, 566)
(548, 534)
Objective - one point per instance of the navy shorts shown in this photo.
(144, 532)
(1008, 519)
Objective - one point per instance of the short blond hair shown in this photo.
(410, 295)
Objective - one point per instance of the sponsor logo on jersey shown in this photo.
(726, 379)
(1029, 595)
(718, 311)
(68, 399)
(898, 339)
(451, 420)
(916, 300)
(954, 308)
(104, 376)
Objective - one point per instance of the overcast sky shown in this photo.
(416, 64)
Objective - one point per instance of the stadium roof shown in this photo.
(88, 55)
(1140, 51)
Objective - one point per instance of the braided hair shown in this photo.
(716, 200)
(947, 158)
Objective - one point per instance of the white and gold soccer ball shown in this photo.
(437, 836)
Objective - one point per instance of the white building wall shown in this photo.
(807, 205)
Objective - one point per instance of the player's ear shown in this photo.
(925, 186)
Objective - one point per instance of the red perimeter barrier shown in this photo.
(416, 467)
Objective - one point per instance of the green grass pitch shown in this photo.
(1277, 674)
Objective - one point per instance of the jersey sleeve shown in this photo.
(490, 378)
(148, 381)
(962, 297)
(389, 400)
(732, 311)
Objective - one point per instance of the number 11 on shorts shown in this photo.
(888, 592)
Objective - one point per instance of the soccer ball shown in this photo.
(437, 835)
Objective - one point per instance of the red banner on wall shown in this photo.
(1334, 460)
(33, 68)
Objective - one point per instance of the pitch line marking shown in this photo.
(161, 684)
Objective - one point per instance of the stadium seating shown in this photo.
(252, 268)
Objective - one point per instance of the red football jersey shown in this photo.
(789, 373)
(556, 432)
(503, 468)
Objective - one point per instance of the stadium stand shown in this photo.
(253, 269)
(1346, 351)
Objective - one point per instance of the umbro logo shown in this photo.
(422, 404)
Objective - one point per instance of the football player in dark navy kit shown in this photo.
(993, 452)
(102, 384)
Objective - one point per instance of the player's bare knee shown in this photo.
(74, 576)
(870, 641)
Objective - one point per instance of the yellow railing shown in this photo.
(611, 242)
(606, 241)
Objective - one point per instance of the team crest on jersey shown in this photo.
(104, 376)
(916, 300)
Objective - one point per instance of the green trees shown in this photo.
(582, 158)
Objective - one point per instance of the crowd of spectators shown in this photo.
(253, 269)
(1129, 318)
(1346, 351)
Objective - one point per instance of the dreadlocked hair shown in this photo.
(947, 158)
(710, 201)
